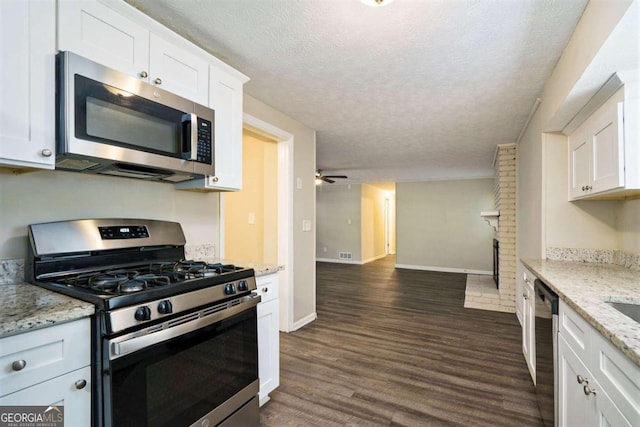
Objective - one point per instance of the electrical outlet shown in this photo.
(252, 218)
(306, 225)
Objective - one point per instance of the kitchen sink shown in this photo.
(628, 309)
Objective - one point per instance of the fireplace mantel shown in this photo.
(491, 217)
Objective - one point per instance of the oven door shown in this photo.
(197, 367)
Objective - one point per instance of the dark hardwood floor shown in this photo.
(395, 347)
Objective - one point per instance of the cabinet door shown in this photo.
(27, 85)
(178, 71)
(528, 319)
(268, 348)
(607, 166)
(575, 407)
(225, 97)
(579, 158)
(72, 390)
(100, 34)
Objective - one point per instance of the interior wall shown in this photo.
(304, 205)
(536, 157)
(339, 221)
(44, 196)
(391, 197)
(439, 225)
(628, 226)
(373, 223)
(250, 214)
(566, 221)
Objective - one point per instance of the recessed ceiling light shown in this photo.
(376, 3)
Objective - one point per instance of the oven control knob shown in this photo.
(242, 286)
(143, 313)
(229, 289)
(165, 307)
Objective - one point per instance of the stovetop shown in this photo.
(110, 289)
(125, 281)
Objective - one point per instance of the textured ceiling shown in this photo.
(416, 90)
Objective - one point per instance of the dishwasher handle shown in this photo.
(545, 293)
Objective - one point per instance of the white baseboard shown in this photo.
(304, 321)
(444, 269)
(373, 259)
(339, 261)
(346, 261)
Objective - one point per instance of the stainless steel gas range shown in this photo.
(174, 341)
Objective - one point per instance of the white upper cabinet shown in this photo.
(225, 97)
(101, 34)
(604, 151)
(177, 70)
(27, 83)
(98, 33)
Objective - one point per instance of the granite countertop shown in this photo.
(586, 287)
(24, 307)
(259, 268)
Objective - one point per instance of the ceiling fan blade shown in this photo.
(335, 176)
(325, 179)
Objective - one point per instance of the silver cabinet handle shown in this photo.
(588, 390)
(589, 187)
(584, 188)
(144, 74)
(582, 380)
(80, 384)
(158, 81)
(18, 365)
(525, 296)
(214, 178)
(265, 290)
(46, 152)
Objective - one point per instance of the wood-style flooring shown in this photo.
(395, 347)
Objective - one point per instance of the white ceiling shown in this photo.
(416, 90)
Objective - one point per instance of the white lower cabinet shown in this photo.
(528, 322)
(268, 336)
(49, 366)
(597, 384)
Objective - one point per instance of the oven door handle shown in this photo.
(130, 343)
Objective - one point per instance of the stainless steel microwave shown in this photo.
(110, 123)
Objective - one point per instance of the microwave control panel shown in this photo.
(205, 141)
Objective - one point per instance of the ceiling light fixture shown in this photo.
(376, 3)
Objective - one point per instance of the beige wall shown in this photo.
(373, 227)
(45, 196)
(339, 217)
(350, 218)
(628, 226)
(439, 225)
(304, 205)
(250, 215)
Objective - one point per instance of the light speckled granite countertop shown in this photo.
(24, 307)
(586, 286)
(260, 269)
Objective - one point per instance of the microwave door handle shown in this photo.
(189, 136)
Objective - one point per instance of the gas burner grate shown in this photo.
(117, 282)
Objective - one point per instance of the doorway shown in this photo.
(283, 213)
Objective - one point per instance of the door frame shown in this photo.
(284, 141)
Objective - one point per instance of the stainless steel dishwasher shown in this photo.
(546, 335)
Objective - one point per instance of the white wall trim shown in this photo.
(368, 260)
(445, 269)
(339, 261)
(343, 261)
(285, 216)
(305, 321)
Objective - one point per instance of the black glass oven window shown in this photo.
(113, 116)
(177, 382)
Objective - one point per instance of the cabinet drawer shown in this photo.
(575, 330)
(44, 353)
(617, 375)
(267, 287)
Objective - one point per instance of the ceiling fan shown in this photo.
(326, 178)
